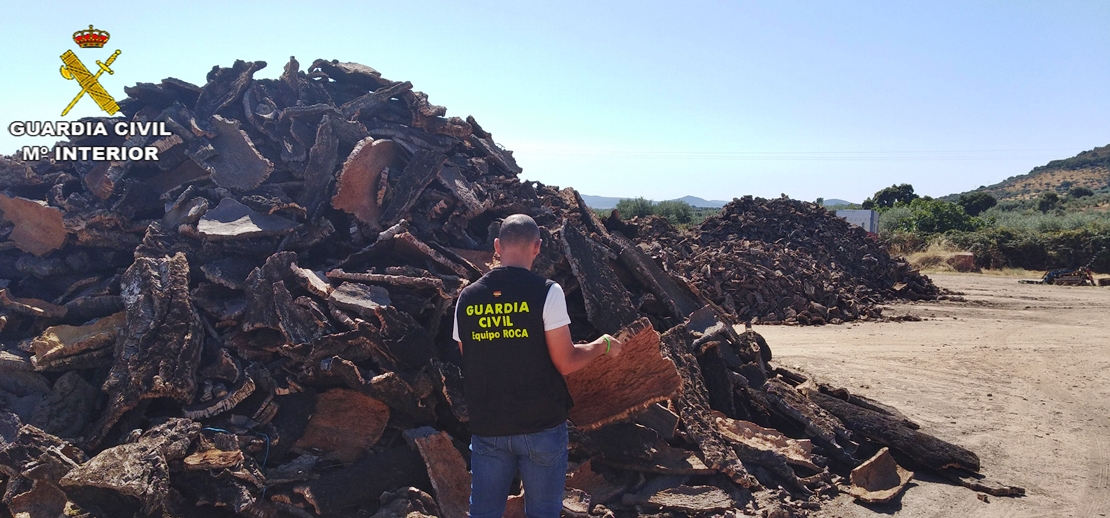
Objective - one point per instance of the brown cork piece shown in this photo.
(879, 479)
(38, 227)
(356, 192)
(602, 391)
(345, 426)
(57, 342)
(447, 470)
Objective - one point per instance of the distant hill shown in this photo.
(832, 202)
(1088, 169)
(694, 201)
(609, 202)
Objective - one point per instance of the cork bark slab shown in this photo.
(68, 408)
(359, 298)
(158, 351)
(879, 479)
(611, 389)
(447, 469)
(678, 300)
(926, 449)
(38, 227)
(796, 452)
(319, 172)
(420, 171)
(600, 489)
(225, 86)
(33, 462)
(666, 460)
(467, 193)
(357, 191)
(62, 341)
(346, 424)
(608, 304)
(693, 409)
(134, 477)
(237, 165)
(692, 499)
(820, 425)
(30, 307)
(233, 220)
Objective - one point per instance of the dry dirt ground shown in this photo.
(1019, 374)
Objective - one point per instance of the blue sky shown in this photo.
(654, 99)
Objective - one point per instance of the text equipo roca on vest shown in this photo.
(89, 129)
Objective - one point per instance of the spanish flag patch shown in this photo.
(497, 293)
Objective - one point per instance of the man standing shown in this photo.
(513, 330)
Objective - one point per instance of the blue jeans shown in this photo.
(541, 459)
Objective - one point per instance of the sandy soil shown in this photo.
(1018, 374)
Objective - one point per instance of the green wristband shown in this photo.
(608, 344)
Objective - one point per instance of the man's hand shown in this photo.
(569, 357)
(613, 345)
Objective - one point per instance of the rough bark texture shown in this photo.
(607, 301)
(236, 165)
(158, 354)
(38, 228)
(693, 409)
(879, 479)
(923, 448)
(34, 462)
(447, 471)
(233, 220)
(133, 477)
(823, 428)
(360, 179)
(601, 392)
(58, 342)
(677, 298)
(692, 499)
(345, 425)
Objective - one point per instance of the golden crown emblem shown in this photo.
(91, 38)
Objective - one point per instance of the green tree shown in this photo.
(634, 207)
(1079, 192)
(887, 197)
(820, 202)
(1048, 201)
(936, 216)
(976, 202)
(896, 219)
(677, 211)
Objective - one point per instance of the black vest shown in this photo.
(510, 385)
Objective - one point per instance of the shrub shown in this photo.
(1000, 247)
(1048, 201)
(634, 207)
(1079, 192)
(677, 211)
(895, 219)
(977, 202)
(904, 243)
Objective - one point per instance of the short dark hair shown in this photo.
(518, 229)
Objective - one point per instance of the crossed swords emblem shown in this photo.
(90, 83)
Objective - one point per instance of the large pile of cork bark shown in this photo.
(783, 261)
(258, 323)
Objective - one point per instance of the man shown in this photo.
(513, 330)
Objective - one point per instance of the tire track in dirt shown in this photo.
(1017, 373)
(1096, 500)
